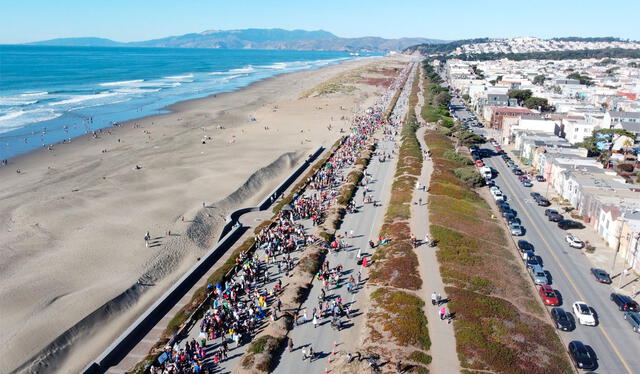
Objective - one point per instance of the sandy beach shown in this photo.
(74, 218)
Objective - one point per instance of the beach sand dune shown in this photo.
(73, 220)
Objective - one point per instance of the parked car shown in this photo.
(601, 275)
(548, 295)
(561, 319)
(497, 194)
(581, 356)
(511, 219)
(634, 320)
(522, 178)
(524, 245)
(535, 195)
(516, 229)
(583, 313)
(540, 178)
(527, 183)
(517, 171)
(567, 224)
(624, 303)
(555, 217)
(538, 275)
(574, 241)
(527, 254)
(550, 211)
(542, 201)
(479, 163)
(533, 261)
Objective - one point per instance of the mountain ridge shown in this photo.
(253, 38)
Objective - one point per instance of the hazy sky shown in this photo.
(133, 20)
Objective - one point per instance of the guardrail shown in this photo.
(232, 230)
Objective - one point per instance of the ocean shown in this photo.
(48, 94)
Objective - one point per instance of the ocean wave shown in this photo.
(277, 65)
(31, 94)
(16, 101)
(136, 90)
(20, 118)
(81, 98)
(186, 76)
(121, 83)
(246, 69)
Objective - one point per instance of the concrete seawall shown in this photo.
(228, 237)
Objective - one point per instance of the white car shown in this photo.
(496, 193)
(583, 313)
(574, 241)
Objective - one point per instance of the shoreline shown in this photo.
(176, 108)
(78, 208)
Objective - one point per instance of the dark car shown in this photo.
(567, 224)
(535, 195)
(555, 217)
(524, 245)
(624, 303)
(550, 211)
(561, 319)
(517, 171)
(540, 178)
(527, 183)
(542, 201)
(601, 275)
(581, 356)
(504, 207)
(505, 156)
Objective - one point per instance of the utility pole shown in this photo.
(615, 255)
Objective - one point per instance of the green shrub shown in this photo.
(457, 157)
(470, 176)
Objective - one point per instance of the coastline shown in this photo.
(78, 208)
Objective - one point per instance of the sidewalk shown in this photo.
(443, 342)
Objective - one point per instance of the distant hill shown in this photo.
(256, 39)
(80, 42)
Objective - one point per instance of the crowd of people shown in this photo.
(251, 297)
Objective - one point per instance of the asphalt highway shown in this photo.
(616, 346)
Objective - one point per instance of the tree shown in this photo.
(584, 79)
(538, 103)
(465, 97)
(539, 79)
(633, 64)
(520, 95)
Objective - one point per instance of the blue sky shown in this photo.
(132, 20)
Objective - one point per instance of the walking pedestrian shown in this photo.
(304, 354)
(290, 345)
(443, 312)
(399, 367)
(315, 321)
(433, 298)
(438, 299)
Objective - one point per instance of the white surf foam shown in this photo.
(82, 98)
(121, 83)
(20, 118)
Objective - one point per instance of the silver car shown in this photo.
(538, 275)
(634, 320)
(516, 229)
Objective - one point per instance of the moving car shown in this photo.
(549, 296)
(516, 229)
(583, 313)
(574, 241)
(634, 320)
(601, 275)
(581, 356)
(624, 303)
(561, 319)
(555, 217)
(567, 224)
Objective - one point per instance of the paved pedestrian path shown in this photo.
(443, 343)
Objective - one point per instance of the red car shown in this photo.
(498, 150)
(522, 178)
(549, 296)
(479, 163)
